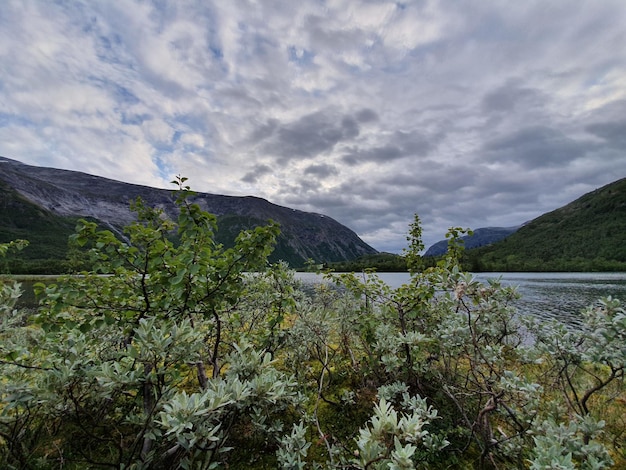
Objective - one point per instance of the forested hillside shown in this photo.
(47, 233)
(585, 235)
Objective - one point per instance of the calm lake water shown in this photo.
(548, 296)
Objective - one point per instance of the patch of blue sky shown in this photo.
(7, 119)
(167, 146)
(209, 19)
(216, 52)
(108, 48)
(90, 26)
(135, 119)
(163, 11)
(357, 70)
(125, 95)
(164, 169)
(191, 147)
(186, 122)
(163, 147)
(299, 56)
(121, 94)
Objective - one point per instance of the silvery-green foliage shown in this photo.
(78, 376)
(589, 359)
(391, 391)
(394, 323)
(13, 339)
(19, 401)
(323, 340)
(391, 438)
(473, 345)
(268, 387)
(293, 448)
(569, 446)
(113, 366)
(251, 389)
(388, 342)
(263, 394)
(605, 330)
(326, 326)
(308, 337)
(193, 418)
(159, 355)
(182, 355)
(10, 293)
(267, 300)
(527, 394)
(446, 333)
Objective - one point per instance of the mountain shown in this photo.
(43, 204)
(588, 234)
(480, 237)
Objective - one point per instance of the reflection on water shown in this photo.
(548, 296)
(561, 296)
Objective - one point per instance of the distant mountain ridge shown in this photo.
(480, 237)
(58, 197)
(588, 234)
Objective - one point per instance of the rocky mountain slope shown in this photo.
(34, 199)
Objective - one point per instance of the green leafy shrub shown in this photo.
(193, 355)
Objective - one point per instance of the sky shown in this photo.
(469, 113)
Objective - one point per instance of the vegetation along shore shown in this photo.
(178, 358)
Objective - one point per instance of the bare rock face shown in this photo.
(65, 193)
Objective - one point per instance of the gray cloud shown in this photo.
(536, 147)
(613, 133)
(511, 98)
(263, 131)
(256, 173)
(366, 115)
(375, 154)
(401, 144)
(320, 171)
(311, 135)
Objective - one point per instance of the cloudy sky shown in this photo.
(469, 113)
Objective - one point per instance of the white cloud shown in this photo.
(470, 110)
(157, 131)
(195, 140)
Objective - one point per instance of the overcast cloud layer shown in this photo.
(473, 113)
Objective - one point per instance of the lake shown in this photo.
(548, 296)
